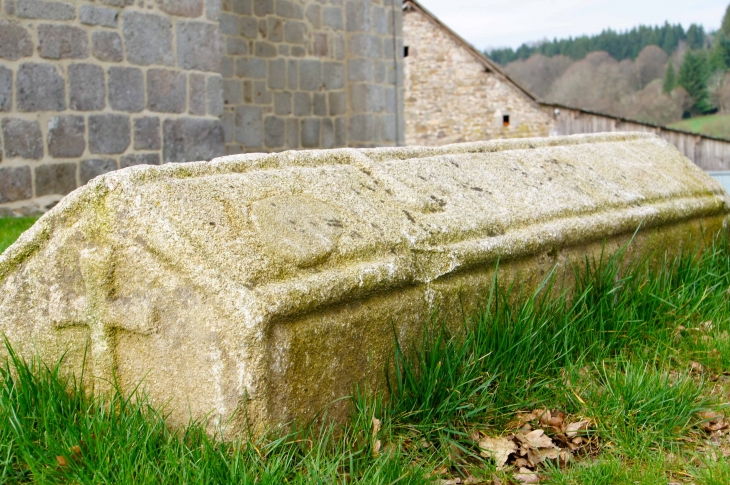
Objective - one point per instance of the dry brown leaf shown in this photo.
(538, 439)
(564, 457)
(712, 421)
(527, 476)
(538, 447)
(376, 426)
(545, 416)
(499, 449)
(696, 368)
(471, 479)
(707, 326)
(531, 416)
(61, 461)
(571, 431)
(376, 448)
(76, 450)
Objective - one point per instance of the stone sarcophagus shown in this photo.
(278, 281)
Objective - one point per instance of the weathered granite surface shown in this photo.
(277, 280)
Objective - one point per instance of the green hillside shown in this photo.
(713, 125)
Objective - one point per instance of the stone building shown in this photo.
(453, 93)
(90, 86)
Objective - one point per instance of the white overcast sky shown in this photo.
(490, 23)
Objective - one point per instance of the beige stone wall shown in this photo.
(449, 96)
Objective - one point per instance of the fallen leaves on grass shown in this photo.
(499, 449)
(537, 447)
(527, 447)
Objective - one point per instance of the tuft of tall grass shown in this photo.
(51, 431)
(522, 355)
(638, 406)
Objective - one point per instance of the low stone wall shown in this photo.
(276, 282)
(87, 88)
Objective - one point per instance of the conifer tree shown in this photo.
(720, 57)
(725, 28)
(693, 76)
(670, 78)
(695, 36)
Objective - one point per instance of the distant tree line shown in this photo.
(653, 74)
(619, 45)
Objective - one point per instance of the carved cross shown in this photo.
(104, 315)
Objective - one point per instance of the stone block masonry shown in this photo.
(90, 87)
(454, 94)
(289, 80)
(267, 286)
(100, 85)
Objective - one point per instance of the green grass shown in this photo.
(12, 228)
(617, 349)
(712, 125)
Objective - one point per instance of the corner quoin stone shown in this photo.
(198, 46)
(276, 281)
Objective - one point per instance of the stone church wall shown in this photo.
(90, 87)
(311, 73)
(87, 87)
(451, 98)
